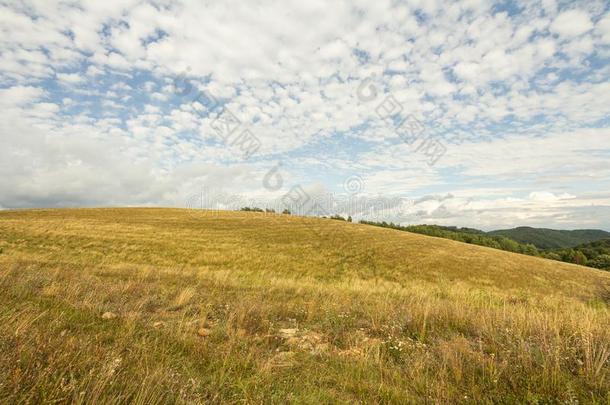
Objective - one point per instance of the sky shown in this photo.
(469, 113)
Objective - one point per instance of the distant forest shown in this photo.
(593, 254)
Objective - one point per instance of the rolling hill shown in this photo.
(544, 238)
(151, 305)
(593, 254)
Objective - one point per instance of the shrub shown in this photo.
(601, 262)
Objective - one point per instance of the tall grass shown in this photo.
(247, 308)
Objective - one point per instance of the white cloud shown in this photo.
(572, 23)
(70, 78)
(94, 71)
(19, 95)
(545, 196)
(576, 154)
(603, 29)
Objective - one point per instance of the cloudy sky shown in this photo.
(471, 112)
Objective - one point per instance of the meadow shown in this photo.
(150, 305)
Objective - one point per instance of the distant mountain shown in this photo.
(462, 230)
(544, 238)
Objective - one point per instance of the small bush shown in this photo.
(253, 209)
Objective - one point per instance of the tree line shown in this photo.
(594, 254)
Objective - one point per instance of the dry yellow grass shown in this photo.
(244, 307)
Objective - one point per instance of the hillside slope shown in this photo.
(544, 238)
(167, 305)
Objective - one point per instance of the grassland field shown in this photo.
(152, 306)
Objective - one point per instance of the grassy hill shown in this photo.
(551, 238)
(594, 254)
(169, 305)
(466, 235)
